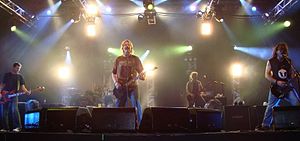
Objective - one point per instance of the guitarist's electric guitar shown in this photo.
(281, 92)
(7, 96)
(118, 92)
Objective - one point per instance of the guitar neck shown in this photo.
(15, 94)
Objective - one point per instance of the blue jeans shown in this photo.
(134, 102)
(9, 112)
(292, 97)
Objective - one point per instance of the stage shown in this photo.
(211, 136)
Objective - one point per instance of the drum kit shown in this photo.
(103, 98)
(215, 95)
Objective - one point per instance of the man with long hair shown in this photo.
(126, 69)
(279, 72)
(194, 90)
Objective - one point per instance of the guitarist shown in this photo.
(127, 67)
(278, 72)
(13, 81)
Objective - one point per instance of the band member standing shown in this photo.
(126, 68)
(279, 72)
(195, 91)
(13, 81)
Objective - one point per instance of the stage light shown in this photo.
(13, 28)
(193, 8)
(91, 10)
(267, 14)
(108, 9)
(91, 30)
(64, 73)
(287, 23)
(49, 12)
(67, 48)
(148, 4)
(236, 70)
(149, 12)
(189, 48)
(253, 8)
(206, 28)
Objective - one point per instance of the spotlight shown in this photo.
(13, 28)
(267, 14)
(148, 4)
(253, 8)
(287, 23)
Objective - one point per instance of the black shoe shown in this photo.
(263, 128)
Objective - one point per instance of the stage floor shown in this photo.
(283, 135)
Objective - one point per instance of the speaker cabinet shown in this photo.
(256, 115)
(114, 120)
(206, 120)
(286, 117)
(236, 118)
(164, 119)
(51, 119)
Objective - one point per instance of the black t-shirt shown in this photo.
(12, 81)
(281, 69)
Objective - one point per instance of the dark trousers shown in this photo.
(195, 99)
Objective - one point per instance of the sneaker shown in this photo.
(263, 128)
(17, 130)
(3, 130)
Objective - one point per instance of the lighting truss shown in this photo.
(14, 9)
(279, 10)
(209, 12)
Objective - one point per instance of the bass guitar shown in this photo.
(118, 92)
(6, 96)
(281, 92)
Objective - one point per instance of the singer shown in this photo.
(126, 68)
(279, 72)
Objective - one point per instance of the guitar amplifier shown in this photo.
(287, 117)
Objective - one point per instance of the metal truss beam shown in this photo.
(279, 10)
(14, 9)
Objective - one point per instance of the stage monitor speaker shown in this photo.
(164, 119)
(51, 119)
(206, 120)
(286, 118)
(256, 115)
(236, 118)
(114, 120)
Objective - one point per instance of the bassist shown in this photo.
(13, 81)
(278, 72)
(126, 68)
